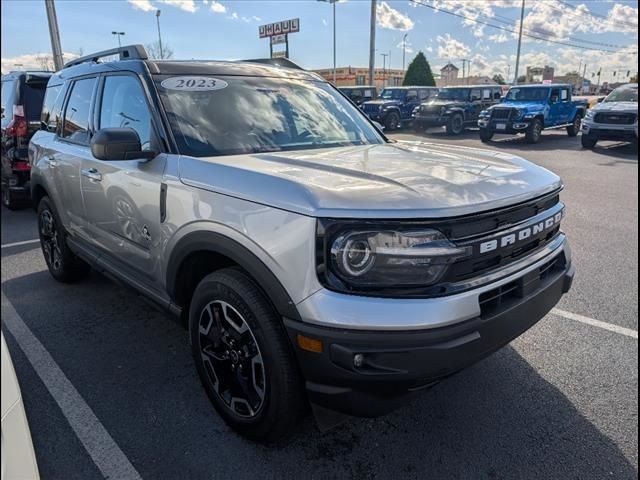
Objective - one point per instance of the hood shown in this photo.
(382, 102)
(532, 105)
(627, 107)
(394, 180)
(445, 103)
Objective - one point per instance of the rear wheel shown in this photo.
(63, 265)
(455, 125)
(534, 132)
(9, 200)
(588, 141)
(392, 122)
(486, 135)
(574, 128)
(243, 357)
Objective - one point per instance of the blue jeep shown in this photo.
(394, 106)
(530, 109)
(456, 108)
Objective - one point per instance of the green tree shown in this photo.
(634, 79)
(419, 72)
(499, 79)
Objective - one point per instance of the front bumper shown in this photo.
(601, 131)
(504, 126)
(430, 120)
(396, 364)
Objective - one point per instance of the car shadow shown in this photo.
(132, 365)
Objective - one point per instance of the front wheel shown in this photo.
(574, 128)
(243, 357)
(455, 125)
(534, 132)
(588, 141)
(63, 265)
(486, 135)
(392, 122)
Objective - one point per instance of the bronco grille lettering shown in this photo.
(523, 234)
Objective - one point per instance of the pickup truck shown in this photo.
(615, 118)
(530, 109)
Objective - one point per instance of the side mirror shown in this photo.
(601, 99)
(118, 144)
(379, 126)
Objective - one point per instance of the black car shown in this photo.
(395, 105)
(456, 108)
(22, 96)
(360, 93)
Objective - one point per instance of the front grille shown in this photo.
(501, 113)
(371, 108)
(501, 298)
(431, 109)
(615, 118)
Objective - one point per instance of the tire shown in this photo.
(240, 348)
(455, 125)
(62, 263)
(486, 135)
(574, 129)
(534, 131)
(588, 141)
(419, 127)
(9, 200)
(392, 121)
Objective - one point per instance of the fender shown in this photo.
(217, 243)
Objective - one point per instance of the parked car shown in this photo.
(312, 259)
(360, 94)
(616, 118)
(18, 456)
(455, 108)
(530, 109)
(22, 94)
(396, 104)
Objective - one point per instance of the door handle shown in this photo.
(92, 174)
(52, 163)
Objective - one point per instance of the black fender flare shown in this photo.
(217, 243)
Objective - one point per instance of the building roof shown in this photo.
(449, 66)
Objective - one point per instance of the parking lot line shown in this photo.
(596, 323)
(17, 244)
(100, 446)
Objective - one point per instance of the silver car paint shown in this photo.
(618, 107)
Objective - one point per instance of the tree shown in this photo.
(45, 62)
(499, 79)
(153, 50)
(634, 79)
(419, 72)
(522, 79)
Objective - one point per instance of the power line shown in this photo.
(595, 15)
(544, 39)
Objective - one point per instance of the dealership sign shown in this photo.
(279, 28)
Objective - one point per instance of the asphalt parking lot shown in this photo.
(559, 402)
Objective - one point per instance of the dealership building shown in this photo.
(349, 76)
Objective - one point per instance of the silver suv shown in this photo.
(314, 261)
(615, 118)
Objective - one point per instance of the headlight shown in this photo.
(520, 112)
(485, 113)
(589, 115)
(416, 110)
(380, 258)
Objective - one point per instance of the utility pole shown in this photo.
(384, 66)
(56, 48)
(118, 34)
(468, 63)
(404, 48)
(508, 72)
(515, 81)
(159, 36)
(334, 40)
(372, 43)
(584, 74)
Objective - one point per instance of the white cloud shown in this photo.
(186, 5)
(388, 17)
(144, 5)
(449, 48)
(499, 38)
(32, 61)
(217, 7)
(625, 17)
(408, 46)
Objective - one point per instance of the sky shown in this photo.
(444, 30)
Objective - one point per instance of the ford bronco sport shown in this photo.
(313, 260)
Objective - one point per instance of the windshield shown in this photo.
(242, 115)
(623, 95)
(393, 94)
(453, 94)
(527, 94)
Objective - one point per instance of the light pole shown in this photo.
(54, 33)
(333, 5)
(372, 43)
(159, 35)
(404, 49)
(515, 81)
(118, 34)
(384, 71)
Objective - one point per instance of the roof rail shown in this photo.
(277, 62)
(127, 52)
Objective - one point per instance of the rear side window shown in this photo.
(51, 108)
(8, 97)
(76, 116)
(124, 105)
